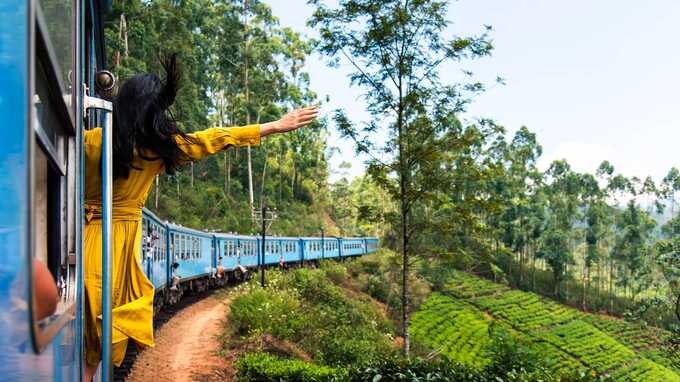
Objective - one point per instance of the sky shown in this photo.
(595, 80)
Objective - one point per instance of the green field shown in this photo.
(456, 322)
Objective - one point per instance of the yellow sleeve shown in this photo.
(210, 141)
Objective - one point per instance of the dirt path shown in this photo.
(187, 345)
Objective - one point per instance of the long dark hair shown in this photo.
(143, 123)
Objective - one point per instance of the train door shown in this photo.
(41, 106)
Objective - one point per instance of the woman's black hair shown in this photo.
(143, 124)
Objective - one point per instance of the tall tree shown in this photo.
(396, 48)
(564, 188)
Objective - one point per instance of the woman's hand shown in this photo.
(291, 121)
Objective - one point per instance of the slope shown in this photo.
(456, 323)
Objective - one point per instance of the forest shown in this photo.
(443, 192)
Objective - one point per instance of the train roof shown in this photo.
(148, 212)
(181, 228)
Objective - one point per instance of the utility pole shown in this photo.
(264, 237)
(265, 217)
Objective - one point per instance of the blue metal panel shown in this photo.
(292, 252)
(249, 251)
(191, 267)
(19, 362)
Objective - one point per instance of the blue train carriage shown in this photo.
(372, 244)
(235, 254)
(153, 255)
(353, 246)
(311, 248)
(52, 51)
(279, 250)
(190, 258)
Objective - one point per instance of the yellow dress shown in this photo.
(132, 293)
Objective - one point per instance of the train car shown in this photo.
(353, 246)
(290, 249)
(190, 254)
(331, 248)
(154, 259)
(50, 56)
(312, 248)
(273, 250)
(372, 244)
(234, 252)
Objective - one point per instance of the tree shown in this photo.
(563, 191)
(596, 216)
(208, 36)
(396, 49)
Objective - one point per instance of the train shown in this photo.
(177, 259)
(53, 86)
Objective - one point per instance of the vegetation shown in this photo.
(458, 323)
(258, 367)
(239, 67)
(395, 49)
(328, 331)
(442, 192)
(305, 308)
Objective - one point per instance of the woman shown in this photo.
(146, 142)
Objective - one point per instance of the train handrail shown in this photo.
(107, 261)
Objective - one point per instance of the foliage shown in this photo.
(396, 49)
(305, 307)
(239, 67)
(476, 321)
(261, 367)
(276, 312)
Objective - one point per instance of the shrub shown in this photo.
(335, 271)
(377, 287)
(304, 307)
(263, 367)
(393, 369)
(277, 312)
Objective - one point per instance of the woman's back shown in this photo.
(129, 195)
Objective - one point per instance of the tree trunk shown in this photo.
(192, 174)
(585, 284)
(533, 269)
(157, 188)
(280, 175)
(247, 103)
(404, 179)
(611, 279)
(122, 35)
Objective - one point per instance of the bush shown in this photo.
(393, 369)
(377, 287)
(304, 307)
(335, 271)
(277, 312)
(263, 367)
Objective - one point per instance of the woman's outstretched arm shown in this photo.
(210, 141)
(291, 121)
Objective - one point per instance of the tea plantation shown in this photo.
(455, 323)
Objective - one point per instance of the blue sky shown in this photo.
(594, 79)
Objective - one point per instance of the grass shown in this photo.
(456, 324)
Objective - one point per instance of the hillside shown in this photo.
(457, 321)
